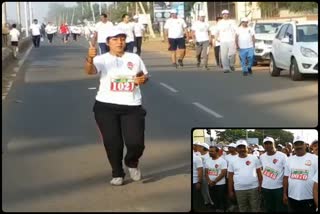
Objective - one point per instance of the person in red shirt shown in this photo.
(64, 30)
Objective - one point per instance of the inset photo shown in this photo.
(255, 170)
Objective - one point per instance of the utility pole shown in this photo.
(72, 16)
(93, 17)
(30, 13)
(26, 18)
(4, 13)
(18, 15)
(100, 8)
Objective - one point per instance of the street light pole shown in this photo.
(26, 18)
(4, 13)
(18, 15)
(30, 13)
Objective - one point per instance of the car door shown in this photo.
(277, 46)
(287, 47)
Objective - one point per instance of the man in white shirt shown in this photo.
(226, 30)
(245, 179)
(314, 147)
(75, 31)
(203, 148)
(35, 32)
(273, 164)
(215, 42)
(297, 181)
(200, 34)
(245, 43)
(127, 27)
(195, 148)
(138, 34)
(102, 29)
(197, 174)
(289, 147)
(14, 38)
(175, 28)
(50, 30)
(216, 170)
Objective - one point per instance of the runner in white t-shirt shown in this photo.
(245, 174)
(215, 42)
(50, 30)
(118, 110)
(273, 163)
(175, 28)
(245, 43)
(297, 182)
(225, 34)
(197, 174)
(35, 32)
(200, 34)
(102, 29)
(128, 28)
(216, 170)
(138, 34)
(14, 38)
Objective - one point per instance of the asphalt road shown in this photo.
(53, 159)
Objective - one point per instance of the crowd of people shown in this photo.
(255, 178)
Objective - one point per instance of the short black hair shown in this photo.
(124, 15)
(14, 25)
(104, 15)
(35, 20)
(215, 147)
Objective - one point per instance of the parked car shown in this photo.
(295, 48)
(264, 35)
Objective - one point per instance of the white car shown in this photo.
(264, 34)
(295, 48)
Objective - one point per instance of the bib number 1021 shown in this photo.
(122, 86)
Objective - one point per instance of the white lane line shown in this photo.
(20, 63)
(168, 87)
(199, 105)
(92, 88)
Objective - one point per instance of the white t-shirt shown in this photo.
(245, 37)
(197, 153)
(103, 29)
(201, 30)
(175, 28)
(205, 158)
(128, 28)
(14, 35)
(273, 170)
(197, 163)
(138, 29)
(75, 30)
(214, 169)
(230, 158)
(301, 171)
(117, 78)
(315, 177)
(213, 31)
(50, 29)
(245, 174)
(35, 29)
(226, 30)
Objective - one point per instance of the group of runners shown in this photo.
(261, 179)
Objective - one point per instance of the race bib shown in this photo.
(270, 173)
(299, 174)
(213, 172)
(122, 84)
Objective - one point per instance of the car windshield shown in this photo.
(307, 33)
(266, 27)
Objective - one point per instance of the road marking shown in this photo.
(92, 88)
(199, 105)
(20, 63)
(168, 87)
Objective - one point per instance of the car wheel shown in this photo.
(294, 71)
(274, 70)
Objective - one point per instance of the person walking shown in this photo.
(118, 107)
(245, 179)
(216, 43)
(175, 28)
(297, 181)
(14, 38)
(64, 31)
(225, 34)
(215, 171)
(128, 28)
(197, 174)
(200, 34)
(138, 34)
(273, 164)
(102, 29)
(75, 31)
(50, 30)
(245, 42)
(35, 32)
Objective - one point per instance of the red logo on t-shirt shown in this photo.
(130, 65)
(308, 163)
(216, 166)
(248, 163)
(275, 161)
